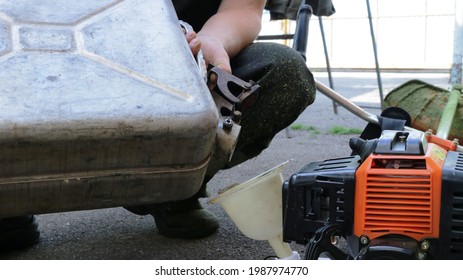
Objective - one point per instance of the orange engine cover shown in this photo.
(399, 194)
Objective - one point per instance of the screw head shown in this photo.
(334, 239)
(425, 245)
(236, 116)
(227, 124)
(364, 240)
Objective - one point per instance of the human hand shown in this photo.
(212, 49)
(214, 52)
(193, 42)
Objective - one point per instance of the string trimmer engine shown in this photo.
(399, 196)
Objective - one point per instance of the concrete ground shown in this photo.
(116, 234)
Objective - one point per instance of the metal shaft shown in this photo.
(448, 114)
(327, 59)
(375, 52)
(354, 109)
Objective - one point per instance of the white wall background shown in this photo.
(410, 34)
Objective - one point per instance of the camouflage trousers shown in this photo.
(287, 88)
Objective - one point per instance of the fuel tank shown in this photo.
(102, 105)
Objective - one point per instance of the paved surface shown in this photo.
(117, 234)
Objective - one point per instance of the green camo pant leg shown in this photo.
(288, 87)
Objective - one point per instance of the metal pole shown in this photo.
(302, 29)
(448, 114)
(327, 59)
(351, 107)
(378, 75)
(456, 71)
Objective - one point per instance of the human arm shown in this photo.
(236, 24)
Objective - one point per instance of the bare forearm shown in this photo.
(235, 25)
(235, 29)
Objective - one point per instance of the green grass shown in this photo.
(304, 127)
(341, 130)
(336, 130)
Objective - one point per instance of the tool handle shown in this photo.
(354, 109)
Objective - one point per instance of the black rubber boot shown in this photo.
(18, 232)
(181, 219)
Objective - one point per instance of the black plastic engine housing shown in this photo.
(450, 242)
(320, 193)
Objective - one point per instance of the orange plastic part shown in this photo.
(444, 143)
(400, 198)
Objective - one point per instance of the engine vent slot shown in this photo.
(459, 162)
(399, 164)
(398, 203)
